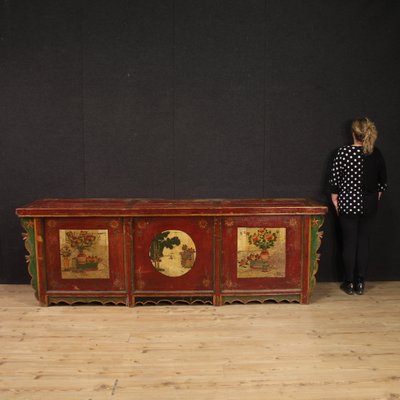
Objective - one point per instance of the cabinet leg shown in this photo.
(217, 300)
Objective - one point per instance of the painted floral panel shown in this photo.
(261, 252)
(84, 254)
(172, 253)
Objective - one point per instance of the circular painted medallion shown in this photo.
(172, 253)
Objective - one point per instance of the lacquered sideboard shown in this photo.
(151, 251)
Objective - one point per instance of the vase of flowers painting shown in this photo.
(84, 254)
(261, 252)
(82, 241)
(263, 239)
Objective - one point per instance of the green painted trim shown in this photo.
(29, 238)
(72, 300)
(316, 237)
(261, 299)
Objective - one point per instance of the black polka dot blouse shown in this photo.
(357, 178)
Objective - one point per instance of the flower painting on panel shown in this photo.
(261, 252)
(84, 254)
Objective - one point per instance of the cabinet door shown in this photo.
(84, 254)
(261, 254)
(173, 254)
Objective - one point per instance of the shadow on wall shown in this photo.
(331, 266)
(382, 239)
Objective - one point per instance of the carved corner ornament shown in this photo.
(316, 239)
(29, 240)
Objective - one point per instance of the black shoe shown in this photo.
(360, 287)
(347, 287)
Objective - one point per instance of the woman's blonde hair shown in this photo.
(364, 130)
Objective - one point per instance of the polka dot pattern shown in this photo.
(346, 175)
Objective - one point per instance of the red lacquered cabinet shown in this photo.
(148, 251)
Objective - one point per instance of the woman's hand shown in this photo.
(334, 198)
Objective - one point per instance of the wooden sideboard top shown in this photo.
(168, 207)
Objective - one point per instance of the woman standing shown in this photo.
(357, 181)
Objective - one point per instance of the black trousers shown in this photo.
(356, 231)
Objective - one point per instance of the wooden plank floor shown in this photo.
(338, 347)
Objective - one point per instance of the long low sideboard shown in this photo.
(151, 251)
